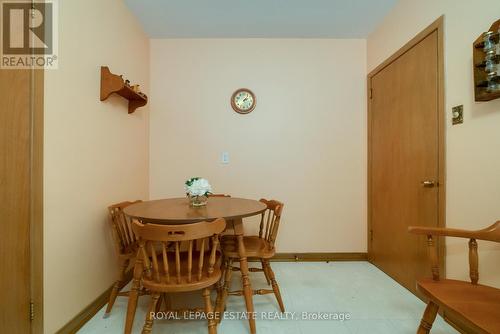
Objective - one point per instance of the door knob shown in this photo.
(429, 183)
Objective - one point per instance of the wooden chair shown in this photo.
(257, 247)
(476, 306)
(126, 247)
(171, 270)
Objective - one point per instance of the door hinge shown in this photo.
(371, 235)
(32, 311)
(371, 93)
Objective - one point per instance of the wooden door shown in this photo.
(15, 200)
(405, 157)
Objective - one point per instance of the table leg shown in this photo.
(223, 284)
(247, 289)
(133, 295)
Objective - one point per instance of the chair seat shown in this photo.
(479, 305)
(254, 247)
(174, 285)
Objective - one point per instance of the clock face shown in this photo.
(243, 101)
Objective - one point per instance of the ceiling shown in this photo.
(259, 18)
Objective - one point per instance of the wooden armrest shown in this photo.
(491, 233)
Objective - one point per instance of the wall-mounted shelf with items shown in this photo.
(112, 83)
(486, 58)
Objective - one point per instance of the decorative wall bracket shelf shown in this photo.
(486, 58)
(112, 83)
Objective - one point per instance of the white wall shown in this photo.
(472, 149)
(304, 144)
(95, 153)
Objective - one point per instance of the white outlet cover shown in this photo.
(224, 157)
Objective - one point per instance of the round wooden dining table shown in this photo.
(178, 211)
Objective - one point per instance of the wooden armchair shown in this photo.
(476, 306)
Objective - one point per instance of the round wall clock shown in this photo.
(243, 101)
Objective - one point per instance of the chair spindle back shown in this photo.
(163, 243)
(270, 220)
(123, 235)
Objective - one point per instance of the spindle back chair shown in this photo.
(174, 270)
(125, 243)
(260, 247)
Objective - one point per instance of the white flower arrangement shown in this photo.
(197, 186)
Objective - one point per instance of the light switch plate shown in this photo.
(457, 113)
(224, 158)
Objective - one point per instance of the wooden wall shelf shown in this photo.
(479, 61)
(112, 83)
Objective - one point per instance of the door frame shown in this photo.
(36, 201)
(34, 179)
(438, 26)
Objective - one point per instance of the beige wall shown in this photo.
(304, 144)
(95, 153)
(472, 149)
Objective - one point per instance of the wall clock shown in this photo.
(243, 101)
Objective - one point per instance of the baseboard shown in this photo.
(88, 312)
(319, 257)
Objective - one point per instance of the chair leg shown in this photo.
(132, 297)
(275, 286)
(220, 283)
(212, 324)
(158, 304)
(264, 269)
(428, 318)
(116, 287)
(148, 325)
(219, 308)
